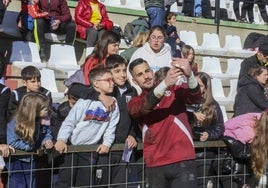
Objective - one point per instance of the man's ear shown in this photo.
(134, 81)
(95, 83)
(24, 82)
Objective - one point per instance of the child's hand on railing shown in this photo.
(48, 144)
(102, 149)
(61, 146)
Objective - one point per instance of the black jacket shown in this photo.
(215, 130)
(126, 125)
(250, 96)
(246, 64)
(16, 96)
(4, 97)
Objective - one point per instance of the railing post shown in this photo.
(217, 15)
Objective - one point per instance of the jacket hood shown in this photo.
(165, 49)
(247, 80)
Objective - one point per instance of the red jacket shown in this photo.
(57, 9)
(167, 135)
(91, 63)
(32, 9)
(83, 12)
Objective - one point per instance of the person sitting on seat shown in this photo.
(59, 21)
(92, 21)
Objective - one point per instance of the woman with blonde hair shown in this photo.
(25, 132)
(259, 149)
(138, 42)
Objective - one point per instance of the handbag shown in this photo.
(237, 149)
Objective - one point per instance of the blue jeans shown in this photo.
(22, 174)
(156, 15)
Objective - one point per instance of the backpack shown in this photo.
(118, 30)
(133, 28)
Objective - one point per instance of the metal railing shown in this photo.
(135, 176)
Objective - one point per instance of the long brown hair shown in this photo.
(28, 113)
(259, 146)
(208, 102)
(185, 51)
(101, 49)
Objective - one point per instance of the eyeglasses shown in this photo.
(110, 80)
(159, 38)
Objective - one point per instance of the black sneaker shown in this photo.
(243, 20)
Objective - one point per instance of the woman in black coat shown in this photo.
(250, 95)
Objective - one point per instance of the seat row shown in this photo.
(62, 57)
(211, 44)
(212, 66)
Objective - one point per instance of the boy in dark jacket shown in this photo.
(31, 77)
(173, 38)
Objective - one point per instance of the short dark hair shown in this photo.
(97, 72)
(169, 15)
(157, 28)
(135, 63)
(77, 91)
(30, 72)
(114, 61)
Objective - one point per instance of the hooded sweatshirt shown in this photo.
(155, 60)
(250, 96)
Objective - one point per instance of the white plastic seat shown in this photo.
(134, 4)
(211, 44)
(55, 37)
(25, 53)
(223, 4)
(233, 46)
(48, 81)
(113, 3)
(233, 42)
(217, 88)
(233, 89)
(218, 92)
(173, 7)
(224, 113)
(233, 67)
(257, 15)
(62, 58)
(89, 51)
(189, 37)
(211, 66)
